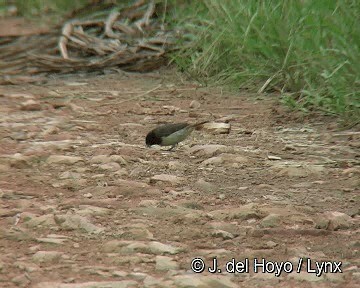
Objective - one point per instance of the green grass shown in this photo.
(308, 50)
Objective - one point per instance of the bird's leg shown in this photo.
(172, 147)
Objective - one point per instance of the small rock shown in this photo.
(21, 280)
(137, 275)
(222, 234)
(46, 220)
(130, 247)
(270, 244)
(62, 159)
(111, 166)
(99, 284)
(164, 263)
(204, 186)
(166, 178)
(88, 195)
(175, 165)
(47, 256)
(148, 203)
(75, 107)
(224, 226)
(217, 128)
(118, 273)
(208, 150)
(245, 212)
(19, 161)
(304, 276)
(195, 104)
(300, 171)
(270, 221)
(160, 248)
(90, 210)
(226, 158)
(200, 281)
(135, 232)
(57, 241)
(118, 159)
(273, 157)
(30, 105)
(100, 159)
(334, 221)
(76, 222)
(152, 282)
(69, 175)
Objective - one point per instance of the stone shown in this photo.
(273, 157)
(204, 186)
(160, 248)
(225, 158)
(208, 150)
(93, 284)
(19, 161)
(270, 244)
(111, 166)
(118, 159)
(175, 165)
(222, 234)
(21, 280)
(270, 221)
(100, 159)
(47, 256)
(69, 175)
(129, 187)
(200, 281)
(171, 179)
(76, 222)
(217, 128)
(304, 276)
(148, 203)
(46, 220)
(303, 170)
(333, 220)
(245, 212)
(63, 159)
(194, 104)
(57, 241)
(27, 266)
(135, 232)
(90, 210)
(30, 105)
(152, 282)
(224, 226)
(165, 263)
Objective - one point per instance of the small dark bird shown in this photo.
(170, 134)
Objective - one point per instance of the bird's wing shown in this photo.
(167, 129)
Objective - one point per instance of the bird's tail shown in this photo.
(199, 124)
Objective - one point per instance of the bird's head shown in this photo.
(152, 139)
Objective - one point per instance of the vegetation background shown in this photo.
(309, 51)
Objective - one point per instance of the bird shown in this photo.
(170, 134)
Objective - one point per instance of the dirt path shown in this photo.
(83, 200)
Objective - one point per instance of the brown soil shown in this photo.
(84, 116)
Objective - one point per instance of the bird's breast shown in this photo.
(176, 137)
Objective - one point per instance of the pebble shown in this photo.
(30, 105)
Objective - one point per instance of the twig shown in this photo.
(262, 89)
(66, 32)
(145, 21)
(109, 24)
